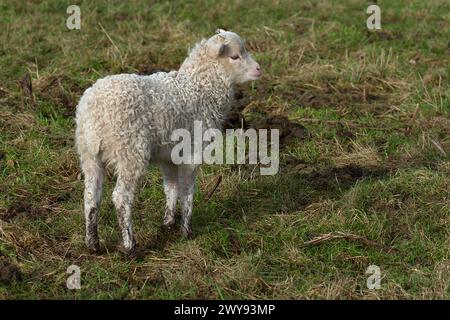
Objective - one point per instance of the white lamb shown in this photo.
(126, 121)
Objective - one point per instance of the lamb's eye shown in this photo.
(235, 57)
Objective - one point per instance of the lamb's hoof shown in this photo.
(186, 233)
(130, 253)
(94, 250)
(93, 245)
(168, 226)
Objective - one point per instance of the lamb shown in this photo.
(126, 120)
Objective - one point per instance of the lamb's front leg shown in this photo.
(170, 177)
(186, 187)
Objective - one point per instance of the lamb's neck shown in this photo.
(213, 94)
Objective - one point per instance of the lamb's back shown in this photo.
(127, 111)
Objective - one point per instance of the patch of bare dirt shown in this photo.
(289, 130)
(9, 272)
(235, 118)
(22, 208)
(333, 95)
(323, 178)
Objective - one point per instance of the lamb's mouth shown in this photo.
(255, 75)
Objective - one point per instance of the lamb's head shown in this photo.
(229, 50)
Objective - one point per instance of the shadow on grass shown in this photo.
(285, 193)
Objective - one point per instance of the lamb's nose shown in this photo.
(258, 69)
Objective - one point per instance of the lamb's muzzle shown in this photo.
(126, 121)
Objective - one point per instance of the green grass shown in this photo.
(375, 164)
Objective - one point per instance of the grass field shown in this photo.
(368, 185)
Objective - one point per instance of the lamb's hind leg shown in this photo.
(94, 171)
(170, 177)
(123, 195)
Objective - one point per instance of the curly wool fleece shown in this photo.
(125, 120)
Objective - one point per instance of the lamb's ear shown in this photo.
(216, 49)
